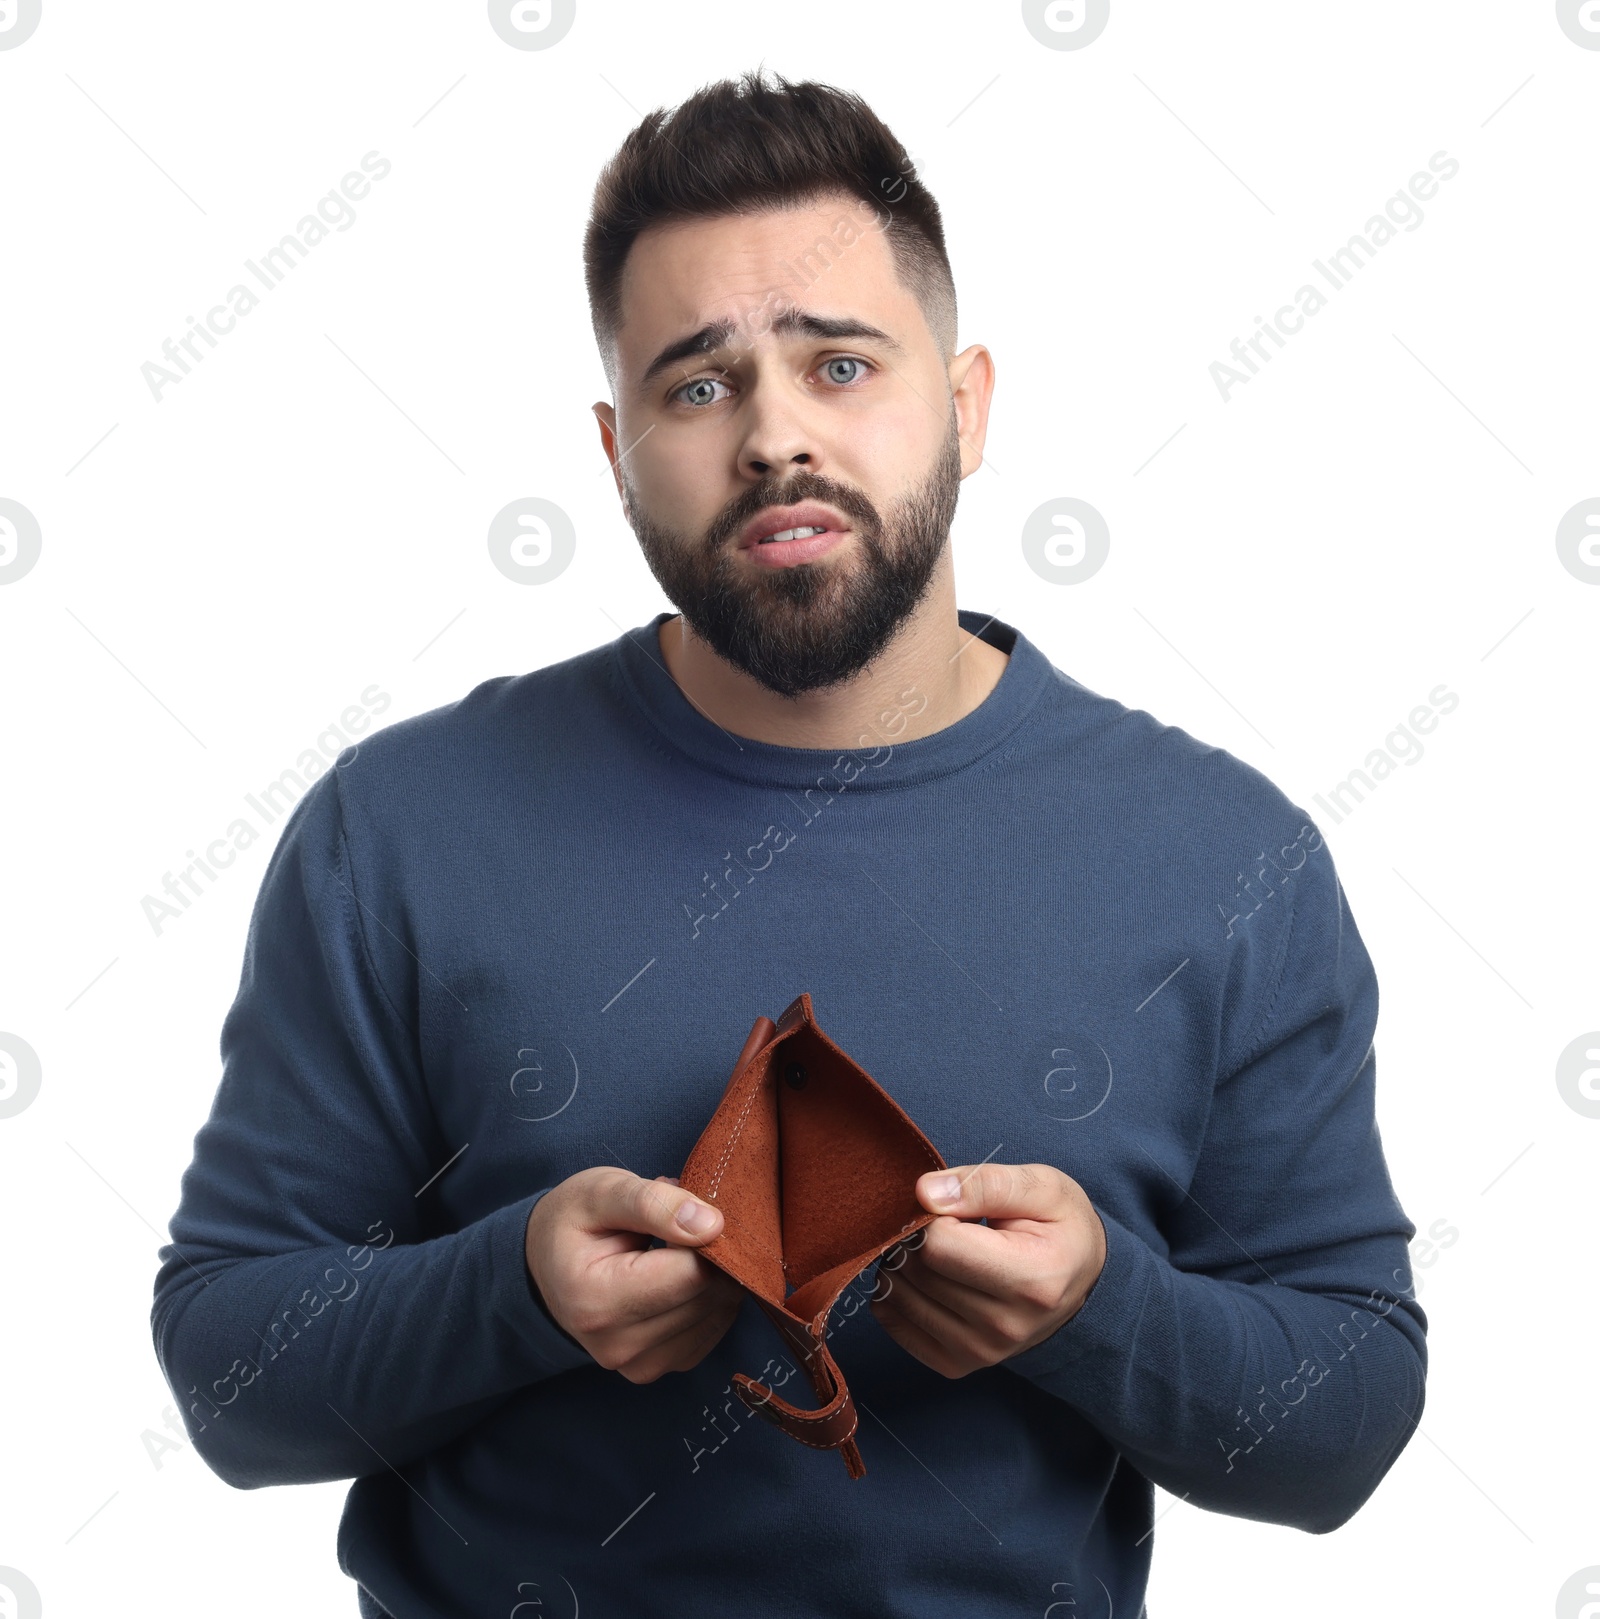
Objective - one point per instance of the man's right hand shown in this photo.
(638, 1310)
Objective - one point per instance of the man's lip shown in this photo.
(775, 519)
(794, 553)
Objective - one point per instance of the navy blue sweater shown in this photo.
(527, 934)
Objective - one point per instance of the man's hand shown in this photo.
(960, 1296)
(638, 1310)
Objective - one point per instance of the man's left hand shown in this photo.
(959, 1295)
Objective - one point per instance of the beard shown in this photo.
(813, 625)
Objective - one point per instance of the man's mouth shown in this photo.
(791, 534)
(787, 536)
(793, 547)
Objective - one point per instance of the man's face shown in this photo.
(773, 374)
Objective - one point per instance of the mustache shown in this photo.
(799, 486)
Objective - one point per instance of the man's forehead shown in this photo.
(696, 285)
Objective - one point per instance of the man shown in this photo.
(506, 953)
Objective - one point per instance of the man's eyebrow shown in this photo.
(718, 334)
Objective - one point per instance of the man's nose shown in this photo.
(780, 434)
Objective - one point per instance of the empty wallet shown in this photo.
(814, 1166)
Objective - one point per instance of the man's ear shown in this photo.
(606, 415)
(971, 389)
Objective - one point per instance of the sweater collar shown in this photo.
(881, 761)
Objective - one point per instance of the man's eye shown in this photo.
(844, 370)
(700, 392)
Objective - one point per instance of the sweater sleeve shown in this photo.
(309, 1323)
(1270, 1362)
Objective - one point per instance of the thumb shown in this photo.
(990, 1190)
(695, 1210)
(946, 1191)
(654, 1208)
(695, 1219)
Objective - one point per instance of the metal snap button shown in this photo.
(795, 1076)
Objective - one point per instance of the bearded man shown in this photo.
(504, 956)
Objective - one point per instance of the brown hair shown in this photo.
(749, 146)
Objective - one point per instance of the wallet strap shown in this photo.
(833, 1426)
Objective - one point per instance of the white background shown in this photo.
(305, 516)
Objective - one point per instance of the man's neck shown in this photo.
(931, 674)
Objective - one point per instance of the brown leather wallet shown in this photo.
(814, 1167)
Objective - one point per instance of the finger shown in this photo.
(645, 1349)
(908, 1322)
(674, 1322)
(968, 1253)
(997, 1191)
(665, 1180)
(619, 1200)
(973, 1313)
(688, 1340)
(972, 1303)
(643, 1284)
(1027, 1265)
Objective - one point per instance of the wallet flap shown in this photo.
(735, 1165)
(816, 1298)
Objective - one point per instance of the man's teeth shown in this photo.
(793, 534)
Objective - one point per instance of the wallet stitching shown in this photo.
(781, 1419)
(834, 1444)
(733, 1140)
(787, 1411)
(755, 1239)
(825, 1444)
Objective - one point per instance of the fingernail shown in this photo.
(693, 1216)
(944, 1189)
